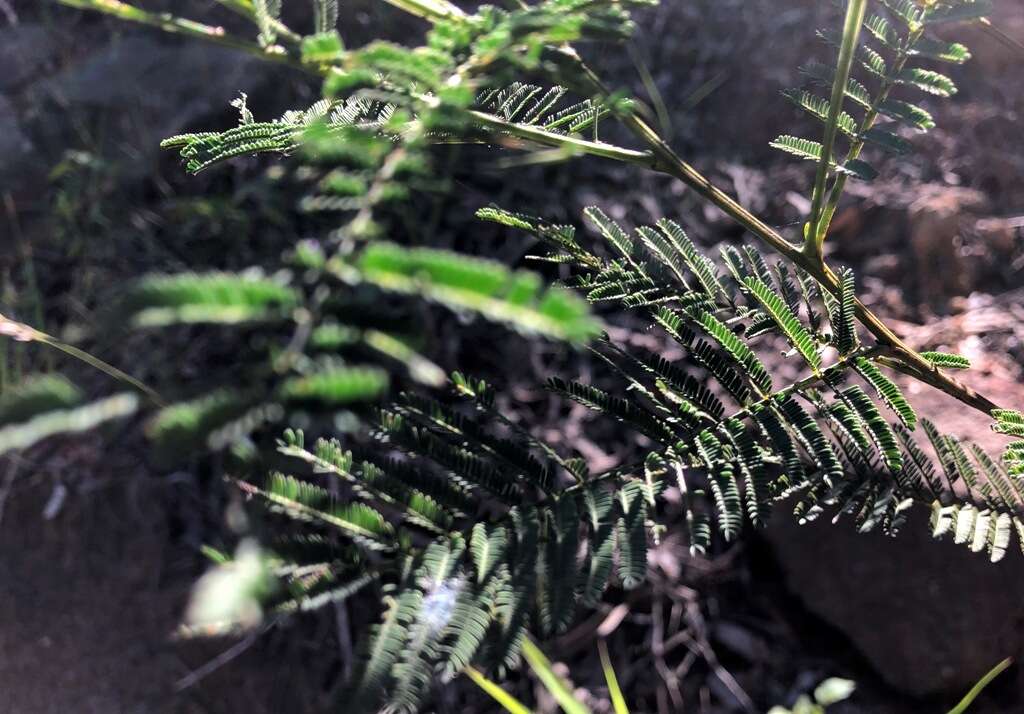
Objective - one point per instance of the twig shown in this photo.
(723, 675)
(8, 484)
(658, 652)
(659, 157)
(179, 26)
(662, 159)
(233, 652)
(665, 160)
(245, 9)
(344, 639)
(817, 227)
(1014, 44)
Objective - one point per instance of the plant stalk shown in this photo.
(659, 157)
(665, 160)
(174, 25)
(814, 236)
(245, 9)
(825, 221)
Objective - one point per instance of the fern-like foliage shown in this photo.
(43, 406)
(899, 54)
(496, 534)
(467, 589)
(821, 439)
(471, 530)
(365, 146)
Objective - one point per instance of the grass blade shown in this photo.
(506, 700)
(982, 683)
(618, 701)
(557, 686)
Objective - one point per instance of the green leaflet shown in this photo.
(614, 234)
(943, 360)
(599, 507)
(812, 151)
(562, 547)
(928, 81)
(37, 395)
(382, 649)
(630, 413)
(325, 47)
(325, 15)
(666, 253)
(632, 536)
(65, 420)
(774, 425)
(888, 392)
(933, 49)
(489, 546)
(819, 107)
(674, 376)
(722, 481)
(303, 501)
(754, 470)
(700, 265)
(813, 438)
(214, 420)
(704, 354)
(843, 317)
(788, 322)
(1009, 422)
(485, 287)
(881, 432)
(882, 31)
(336, 385)
(752, 366)
(824, 75)
(907, 113)
(222, 298)
(887, 140)
(908, 11)
(851, 423)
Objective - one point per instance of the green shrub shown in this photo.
(472, 531)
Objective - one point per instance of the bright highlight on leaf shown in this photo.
(486, 287)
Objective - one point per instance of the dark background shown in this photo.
(98, 546)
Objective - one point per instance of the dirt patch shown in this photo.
(88, 605)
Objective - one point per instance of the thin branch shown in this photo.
(886, 87)
(573, 144)
(907, 360)
(814, 234)
(660, 157)
(245, 9)
(21, 332)
(431, 10)
(1010, 42)
(236, 650)
(180, 26)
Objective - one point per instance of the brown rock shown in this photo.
(931, 617)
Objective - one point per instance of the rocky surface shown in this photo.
(142, 88)
(930, 617)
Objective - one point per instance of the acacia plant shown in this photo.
(472, 531)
